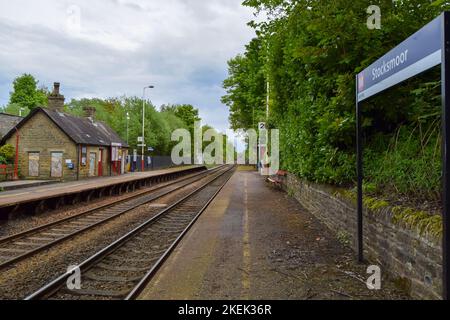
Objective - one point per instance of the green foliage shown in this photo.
(15, 109)
(310, 52)
(246, 88)
(26, 94)
(407, 166)
(186, 112)
(344, 238)
(7, 153)
(158, 125)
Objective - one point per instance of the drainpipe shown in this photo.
(78, 162)
(16, 162)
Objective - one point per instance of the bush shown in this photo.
(7, 153)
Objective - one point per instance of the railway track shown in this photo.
(123, 269)
(25, 244)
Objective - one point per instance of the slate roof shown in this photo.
(8, 122)
(80, 130)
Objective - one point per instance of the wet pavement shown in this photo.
(255, 242)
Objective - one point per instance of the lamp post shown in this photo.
(143, 126)
(128, 119)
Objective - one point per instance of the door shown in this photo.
(100, 163)
(92, 162)
(56, 165)
(33, 164)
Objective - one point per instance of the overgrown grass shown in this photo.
(410, 164)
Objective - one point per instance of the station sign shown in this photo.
(262, 126)
(418, 53)
(140, 139)
(427, 48)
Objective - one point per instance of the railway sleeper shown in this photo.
(27, 244)
(131, 260)
(79, 223)
(91, 219)
(109, 267)
(96, 277)
(98, 293)
(41, 239)
(142, 252)
(66, 230)
(56, 235)
(13, 250)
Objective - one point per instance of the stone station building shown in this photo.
(54, 145)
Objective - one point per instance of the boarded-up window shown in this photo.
(83, 156)
(33, 164)
(57, 165)
(92, 162)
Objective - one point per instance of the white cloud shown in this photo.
(180, 46)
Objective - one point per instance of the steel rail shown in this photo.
(148, 277)
(49, 226)
(54, 286)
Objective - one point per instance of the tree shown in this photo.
(310, 51)
(185, 112)
(158, 125)
(15, 109)
(246, 87)
(27, 94)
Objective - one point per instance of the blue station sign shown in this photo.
(418, 53)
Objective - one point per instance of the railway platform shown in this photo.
(254, 242)
(21, 184)
(37, 199)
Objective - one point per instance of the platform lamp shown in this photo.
(143, 126)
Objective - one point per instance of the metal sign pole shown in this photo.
(359, 153)
(445, 75)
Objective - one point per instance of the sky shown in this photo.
(110, 48)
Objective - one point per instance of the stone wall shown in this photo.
(85, 169)
(409, 257)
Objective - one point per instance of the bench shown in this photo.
(5, 172)
(277, 179)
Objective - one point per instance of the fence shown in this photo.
(6, 172)
(151, 163)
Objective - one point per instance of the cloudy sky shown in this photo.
(108, 48)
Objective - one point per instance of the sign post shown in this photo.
(427, 48)
(262, 145)
(445, 78)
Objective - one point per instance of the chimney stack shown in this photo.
(55, 99)
(89, 112)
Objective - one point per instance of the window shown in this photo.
(84, 156)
